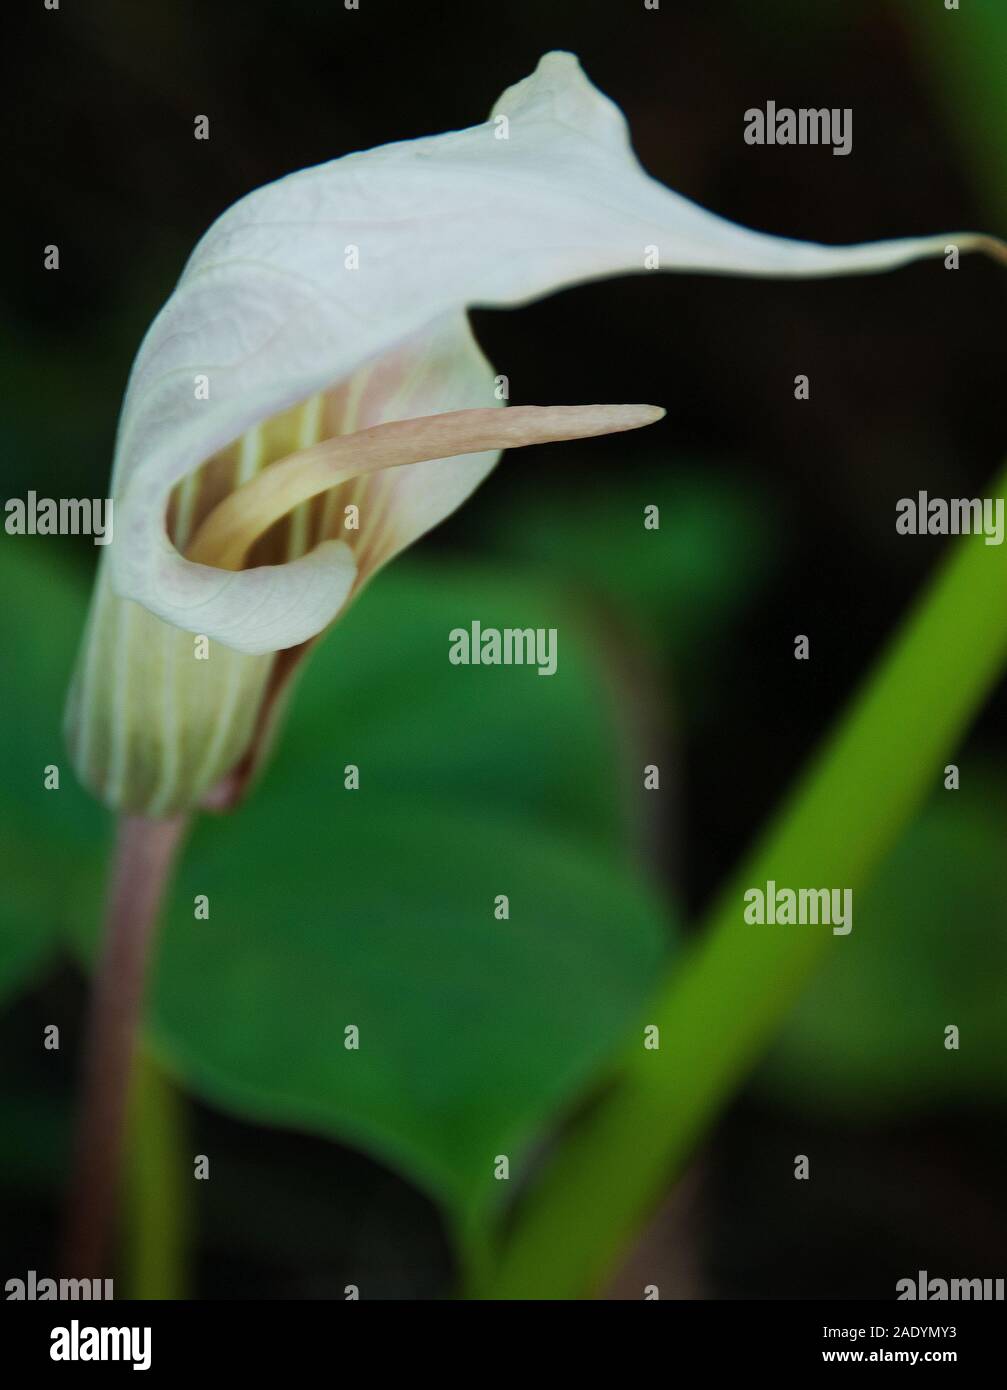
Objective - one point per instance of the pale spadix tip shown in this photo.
(235, 524)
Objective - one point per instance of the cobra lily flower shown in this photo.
(314, 369)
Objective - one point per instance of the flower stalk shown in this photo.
(144, 857)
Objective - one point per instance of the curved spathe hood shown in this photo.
(327, 272)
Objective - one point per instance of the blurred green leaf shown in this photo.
(380, 692)
(676, 585)
(928, 949)
(963, 52)
(375, 907)
(380, 915)
(52, 843)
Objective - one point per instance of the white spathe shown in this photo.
(268, 310)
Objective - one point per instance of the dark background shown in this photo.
(906, 376)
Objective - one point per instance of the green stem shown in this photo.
(721, 1006)
(158, 1186)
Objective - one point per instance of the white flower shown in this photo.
(329, 302)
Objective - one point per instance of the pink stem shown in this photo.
(145, 853)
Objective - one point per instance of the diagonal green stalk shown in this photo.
(721, 1005)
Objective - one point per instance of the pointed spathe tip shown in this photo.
(648, 414)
